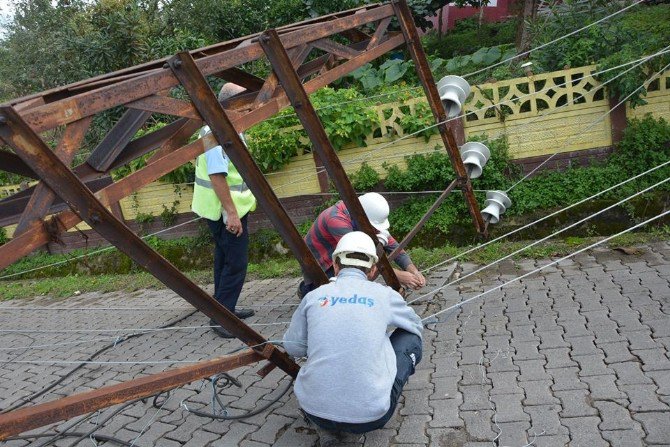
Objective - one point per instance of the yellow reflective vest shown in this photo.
(205, 201)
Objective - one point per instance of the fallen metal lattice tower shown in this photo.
(85, 192)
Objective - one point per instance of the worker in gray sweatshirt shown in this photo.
(355, 368)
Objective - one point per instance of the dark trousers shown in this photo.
(230, 262)
(305, 286)
(405, 344)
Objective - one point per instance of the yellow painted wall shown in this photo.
(540, 115)
(658, 99)
(149, 199)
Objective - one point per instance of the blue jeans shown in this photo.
(404, 344)
(230, 262)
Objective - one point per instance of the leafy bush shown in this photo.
(641, 31)
(423, 172)
(369, 78)
(434, 172)
(365, 179)
(466, 38)
(3, 236)
(346, 116)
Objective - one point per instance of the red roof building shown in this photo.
(496, 11)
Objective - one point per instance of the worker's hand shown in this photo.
(234, 225)
(421, 278)
(408, 279)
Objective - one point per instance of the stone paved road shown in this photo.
(576, 355)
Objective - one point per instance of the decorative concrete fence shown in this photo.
(540, 115)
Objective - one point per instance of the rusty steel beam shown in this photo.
(26, 243)
(91, 102)
(12, 207)
(241, 78)
(298, 56)
(147, 143)
(430, 88)
(408, 238)
(179, 139)
(12, 163)
(382, 26)
(43, 196)
(168, 106)
(29, 418)
(223, 130)
(281, 64)
(281, 101)
(59, 93)
(30, 147)
(116, 139)
(337, 49)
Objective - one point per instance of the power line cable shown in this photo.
(572, 33)
(429, 319)
(60, 380)
(543, 218)
(534, 243)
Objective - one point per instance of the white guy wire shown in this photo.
(653, 78)
(129, 331)
(111, 247)
(120, 362)
(534, 243)
(572, 33)
(150, 421)
(478, 247)
(525, 275)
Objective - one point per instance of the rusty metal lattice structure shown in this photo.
(68, 195)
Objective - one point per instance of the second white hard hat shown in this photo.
(356, 242)
(377, 209)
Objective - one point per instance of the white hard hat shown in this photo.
(377, 209)
(356, 242)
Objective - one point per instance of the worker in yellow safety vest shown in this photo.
(222, 198)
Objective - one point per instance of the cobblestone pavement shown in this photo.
(576, 355)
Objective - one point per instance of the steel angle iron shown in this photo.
(495, 205)
(453, 91)
(475, 155)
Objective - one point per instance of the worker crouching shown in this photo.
(355, 370)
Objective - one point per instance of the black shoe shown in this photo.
(244, 313)
(220, 331)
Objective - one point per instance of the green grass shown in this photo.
(65, 286)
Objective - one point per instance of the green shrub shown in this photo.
(645, 143)
(642, 30)
(424, 172)
(344, 117)
(365, 179)
(434, 172)
(3, 236)
(466, 38)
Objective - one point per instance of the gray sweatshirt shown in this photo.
(342, 329)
